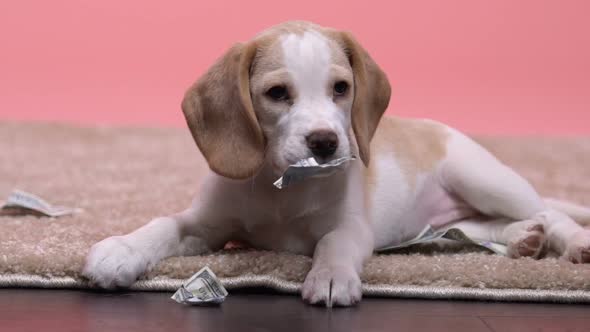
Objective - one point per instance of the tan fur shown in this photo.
(372, 90)
(418, 145)
(220, 115)
(269, 58)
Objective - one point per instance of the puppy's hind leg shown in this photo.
(566, 236)
(497, 191)
(524, 238)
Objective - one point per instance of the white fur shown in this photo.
(392, 199)
(327, 217)
(307, 58)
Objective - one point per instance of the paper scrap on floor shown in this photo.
(203, 288)
(24, 203)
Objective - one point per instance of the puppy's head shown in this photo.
(292, 92)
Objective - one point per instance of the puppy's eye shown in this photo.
(278, 93)
(340, 88)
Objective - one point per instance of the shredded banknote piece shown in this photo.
(203, 288)
(429, 234)
(23, 203)
(310, 168)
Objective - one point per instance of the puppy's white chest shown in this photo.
(287, 222)
(292, 237)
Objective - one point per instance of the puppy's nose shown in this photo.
(322, 143)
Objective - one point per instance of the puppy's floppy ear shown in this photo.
(219, 112)
(371, 94)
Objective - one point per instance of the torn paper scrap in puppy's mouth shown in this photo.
(310, 168)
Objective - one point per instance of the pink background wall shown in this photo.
(503, 66)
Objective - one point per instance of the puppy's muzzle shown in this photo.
(322, 143)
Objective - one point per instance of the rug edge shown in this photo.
(288, 287)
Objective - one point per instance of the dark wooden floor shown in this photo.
(63, 310)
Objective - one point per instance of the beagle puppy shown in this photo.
(298, 90)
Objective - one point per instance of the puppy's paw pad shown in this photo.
(530, 246)
(578, 249)
(528, 240)
(536, 228)
(332, 286)
(113, 263)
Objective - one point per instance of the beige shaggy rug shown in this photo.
(123, 177)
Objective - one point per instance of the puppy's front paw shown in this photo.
(332, 286)
(114, 262)
(578, 248)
